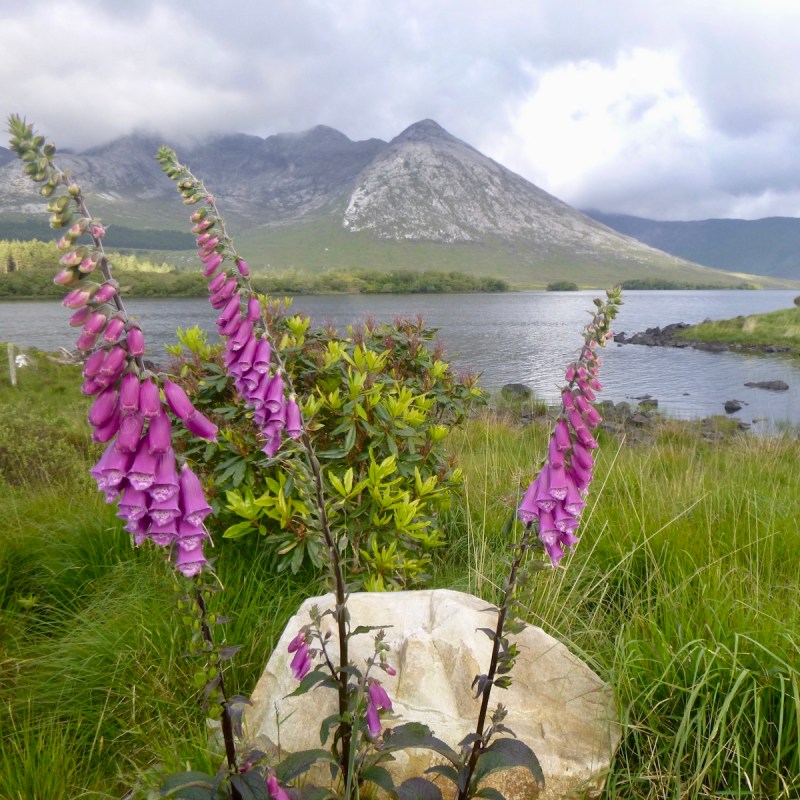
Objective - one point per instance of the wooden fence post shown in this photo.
(12, 365)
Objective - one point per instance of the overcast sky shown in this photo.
(681, 110)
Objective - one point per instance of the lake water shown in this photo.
(522, 337)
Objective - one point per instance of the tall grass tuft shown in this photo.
(683, 595)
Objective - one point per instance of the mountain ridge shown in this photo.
(768, 246)
(411, 202)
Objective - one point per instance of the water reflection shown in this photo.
(524, 337)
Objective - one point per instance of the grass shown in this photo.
(683, 595)
(776, 328)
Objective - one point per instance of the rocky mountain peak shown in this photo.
(426, 130)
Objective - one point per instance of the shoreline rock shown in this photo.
(637, 420)
(667, 337)
(771, 386)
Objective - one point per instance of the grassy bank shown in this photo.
(683, 594)
(757, 331)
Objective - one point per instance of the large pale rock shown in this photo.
(557, 705)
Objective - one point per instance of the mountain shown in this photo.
(315, 200)
(769, 246)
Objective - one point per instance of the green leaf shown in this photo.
(380, 777)
(297, 764)
(309, 682)
(251, 785)
(415, 734)
(418, 789)
(238, 530)
(189, 786)
(505, 754)
(449, 772)
(350, 440)
(325, 726)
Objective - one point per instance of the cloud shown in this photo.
(659, 109)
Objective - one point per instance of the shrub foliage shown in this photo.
(379, 402)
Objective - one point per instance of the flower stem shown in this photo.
(227, 725)
(511, 581)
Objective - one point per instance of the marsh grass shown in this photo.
(781, 328)
(44, 438)
(683, 595)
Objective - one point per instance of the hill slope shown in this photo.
(769, 246)
(316, 199)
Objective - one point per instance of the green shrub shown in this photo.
(378, 404)
(563, 286)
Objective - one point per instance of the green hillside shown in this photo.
(321, 244)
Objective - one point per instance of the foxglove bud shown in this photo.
(221, 297)
(211, 265)
(178, 401)
(105, 293)
(93, 364)
(95, 323)
(149, 400)
(113, 363)
(73, 257)
(253, 309)
(201, 426)
(114, 329)
(107, 431)
(130, 433)
(216, 282)
(129, 389)
(68, 276)
(90, 387)
(135, 340)
(79, 297)
(87, 266)
(80, 316)
(103, 407)
(86, 341)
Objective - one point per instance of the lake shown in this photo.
(520, 337)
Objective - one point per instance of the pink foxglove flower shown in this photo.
(555, 499)
(193, 502)
(189, 562)
(376, 699)
(301, 663)
(276, 791)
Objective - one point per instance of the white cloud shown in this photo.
(651, 108)
(585, 115)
